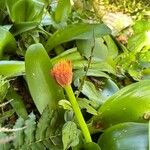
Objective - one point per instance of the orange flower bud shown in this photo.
(62, 72)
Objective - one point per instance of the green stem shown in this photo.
(149, 134)
(78, 114)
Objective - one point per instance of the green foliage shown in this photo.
(24, 10)
(32, 135)
(7, 42)
(62, 11)
(121, 106)
(129, 136)
(17, 103)
(12, 68)
(76, 31)
(70, 135)
(38, 74)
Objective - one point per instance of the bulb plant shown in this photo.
(62, 73)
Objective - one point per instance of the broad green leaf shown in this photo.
(91, 92)
(94, 47)
(22, 27)
(70, 54)
(62, 11)
(12, 68)
(78, 74)
(7, 42)
(43, 88)
(70, 135)
(17, 103)
(130, 104)
(91, 146)
(112, 47)
(139, 41)
(25, 10)
(125, 136)
(109, 89)
(76, 31)
(95, 67)
(141, 26)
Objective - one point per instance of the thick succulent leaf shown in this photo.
(44, 90)
(109, 89)
(125, 136)
(76, 31)
(12, 68)
(129, 104)
(7, 42)
(24, 10)
(62, 11)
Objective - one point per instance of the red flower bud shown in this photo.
(62, 72)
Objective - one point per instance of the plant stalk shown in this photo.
(78, 114)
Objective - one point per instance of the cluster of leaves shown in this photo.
(29, 134)
(34, 35)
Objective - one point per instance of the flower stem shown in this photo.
(78, 113)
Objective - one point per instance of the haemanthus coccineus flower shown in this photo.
(62, 72)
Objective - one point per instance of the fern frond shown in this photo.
(45, 134)
(18, 142)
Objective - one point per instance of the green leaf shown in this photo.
(17, 103)
(25, 10)
(22, 27)
(74, 32)
(78, 74)
(112, 47)
(129, 104)
(138, 41)
(65, 104)
(91, 92)
(70, 135)
(125, 136)
(62, 11)
(38, 75)
(86, 104)
(7, 42)
(109, 89)
(100, 51)
(12, 68)
(141, 25)
(91, 146)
